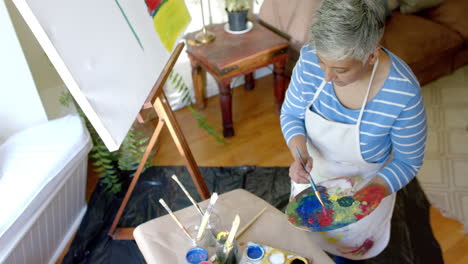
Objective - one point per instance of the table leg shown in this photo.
(280, 84)
(198, 85)
(225, 100)
(249, 81)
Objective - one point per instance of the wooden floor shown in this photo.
(258, 141)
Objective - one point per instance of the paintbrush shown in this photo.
(206, 216)
(310, 179)
(174, 177)
(232, 234)
(163, 203)
(247, 226)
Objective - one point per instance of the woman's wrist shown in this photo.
(377, 180)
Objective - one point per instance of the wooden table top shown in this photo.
(228, 48)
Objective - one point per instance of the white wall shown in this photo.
(20, 105)
(48, 83)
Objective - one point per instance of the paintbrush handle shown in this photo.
(250, 223)
(174, 177)
(305, 168)
(232, 233)
(206, 216)
(163, 203)
(313, 184)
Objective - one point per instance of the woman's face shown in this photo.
(344, 72)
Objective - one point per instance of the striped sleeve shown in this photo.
(293, 109)
(408, 136)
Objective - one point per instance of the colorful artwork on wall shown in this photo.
(170, 17)
(342, 207)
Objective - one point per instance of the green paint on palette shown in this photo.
(346, 201)
(345, 214)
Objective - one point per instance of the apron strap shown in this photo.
(319, 90)
(374, 69)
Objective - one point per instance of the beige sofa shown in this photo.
(434, 41)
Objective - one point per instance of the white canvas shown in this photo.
(107, 53)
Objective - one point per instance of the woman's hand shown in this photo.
(379, 181)
(297, 172)
(357, 185)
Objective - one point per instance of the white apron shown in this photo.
(335, 150)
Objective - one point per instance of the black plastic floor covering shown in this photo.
(411, 241)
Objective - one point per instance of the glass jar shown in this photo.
(223, 254)
(207, 240)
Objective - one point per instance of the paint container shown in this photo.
(207, 241)
(276, 257)
(196, 255)
(255, 252)
(297, 260)
(224, 257)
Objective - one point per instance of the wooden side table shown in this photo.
(232, 55)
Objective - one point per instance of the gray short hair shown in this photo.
(345, 29)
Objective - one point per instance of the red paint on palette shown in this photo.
(369, 199)
(325, 218)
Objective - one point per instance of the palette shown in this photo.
(262, 254)
(342, 206)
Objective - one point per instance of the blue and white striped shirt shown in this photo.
(394, 120)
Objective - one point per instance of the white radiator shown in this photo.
(54, 223)
(39, 229)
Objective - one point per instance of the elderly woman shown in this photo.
(354, 110)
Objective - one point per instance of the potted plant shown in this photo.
(237, 14)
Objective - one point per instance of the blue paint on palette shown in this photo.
(306, 212)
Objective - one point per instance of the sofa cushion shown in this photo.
(461, 59)
(291, 17)
(413, 6)
(418, 41)
(453, 14)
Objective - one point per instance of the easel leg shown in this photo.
(134, 181)
(164, 111)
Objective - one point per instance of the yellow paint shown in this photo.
(170, 22)
(345, 214)
(221, 235)
(331, 238)
(333, 197)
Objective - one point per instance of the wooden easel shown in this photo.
(157, 101)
